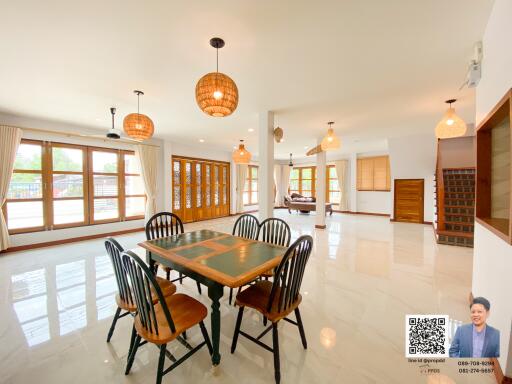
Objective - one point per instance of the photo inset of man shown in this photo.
(477, 339)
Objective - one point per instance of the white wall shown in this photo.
(374, 202)
(414, 157)
(458, 153)
(60, 234)
(492, 260)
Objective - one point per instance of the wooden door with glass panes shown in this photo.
(200, 188)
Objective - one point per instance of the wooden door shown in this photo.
(200, 189)
(409, 200)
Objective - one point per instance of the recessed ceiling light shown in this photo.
(306, 147)
(201, 140)
(235, 147)
(282, 141)
(251, 129)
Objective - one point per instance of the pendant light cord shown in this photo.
(217, 60)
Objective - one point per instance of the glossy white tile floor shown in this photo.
(364, 276)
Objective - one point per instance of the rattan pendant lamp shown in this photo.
(241, 155)
(137, 125)
(450, 125)
(217, 93)
(330, 141)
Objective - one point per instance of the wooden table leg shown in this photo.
(215, 292)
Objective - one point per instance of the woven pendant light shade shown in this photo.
(330, 141)
(217, 94)
(241, 155)
(450, 125)
(138, 126)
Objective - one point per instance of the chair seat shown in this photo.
(185, 312)
(257, 296)
(166, 286)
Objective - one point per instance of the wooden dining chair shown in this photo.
(165, 224)
(163, 321)
(277, 299)
(277, 232)
(124, 298)
(246, 226)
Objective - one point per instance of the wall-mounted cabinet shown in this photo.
(493, 165)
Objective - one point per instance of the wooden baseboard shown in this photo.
(70, 240)
(410, 222)
(320, 226)
(362, 213)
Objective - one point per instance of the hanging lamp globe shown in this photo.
(450, 125)
(241, 155)
(330, 141)
(137, 125)
(216, 92)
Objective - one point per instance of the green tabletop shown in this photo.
(226, 259)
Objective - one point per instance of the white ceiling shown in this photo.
(377, 68)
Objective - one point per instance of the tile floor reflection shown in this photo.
(364, 276)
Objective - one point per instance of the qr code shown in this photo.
(426, 336)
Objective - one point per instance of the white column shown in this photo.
(266, 164)
(320, 189)
(353, 183)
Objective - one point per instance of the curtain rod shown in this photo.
(70, 134)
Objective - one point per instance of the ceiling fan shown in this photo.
(113, 133)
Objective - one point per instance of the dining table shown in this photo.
(216, 260)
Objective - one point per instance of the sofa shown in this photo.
(303, 204)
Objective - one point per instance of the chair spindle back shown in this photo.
(246, 226)
(275, 231)
(114, 250)
(288, 275)
(163, 224)
(144, 288)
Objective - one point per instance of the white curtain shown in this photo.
(10, 138)
(285, 178)
(277, 185)
(148, 159)
(341, 173)
(241, 176)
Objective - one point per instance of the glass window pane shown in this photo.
(294, 185)
(254, 172)
(177, 173)
(67, 159)
(24, 214)
(105, 209)
(306, 173)
(104, 162)
(306, 184)
(25, 186)
(68, 185)
(334, 197)
(306, 193)
(246, 198)
(105, 185)
(333, 185)
(188, 173)
(131, 165)
(254, 185)
(134, 185)
(135, 206)
(177, 198)
(224, 194)
(254, 197)
(198, 196)
(28, 156)
(294, 174)
(332, 173)
(68, 211)
(188, 196)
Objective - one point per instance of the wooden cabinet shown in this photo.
(493, 170)
(200, 188)
(408, 200)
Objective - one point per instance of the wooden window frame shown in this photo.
(124, 153)
(85, 180)
(359, 175)
(301, 178)
(248, 182)
(328, 184)
(88, 198)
